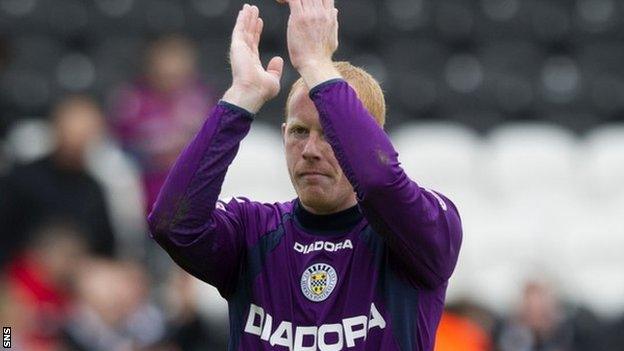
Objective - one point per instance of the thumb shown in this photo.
(276, 67)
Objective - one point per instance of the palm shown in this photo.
(247, 68)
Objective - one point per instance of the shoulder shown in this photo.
(258, 218)
(440, 199)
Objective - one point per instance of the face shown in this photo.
(77, 126)
(171, 67)
(314, 171)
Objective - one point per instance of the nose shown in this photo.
(312, 148)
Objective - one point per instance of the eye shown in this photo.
(298, 131)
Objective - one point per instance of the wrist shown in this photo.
(315, 73)
(248, 99)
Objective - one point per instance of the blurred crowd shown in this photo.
(79, 271)
(75, 268)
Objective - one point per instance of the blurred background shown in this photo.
(512, 108)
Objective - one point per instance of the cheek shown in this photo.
(293, 153)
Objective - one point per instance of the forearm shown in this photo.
(362, 147)
(422, 228)
(191, 190)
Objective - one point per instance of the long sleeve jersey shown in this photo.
(372, 277)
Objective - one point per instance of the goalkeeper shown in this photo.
(360, 260)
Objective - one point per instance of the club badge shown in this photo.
(318, 281)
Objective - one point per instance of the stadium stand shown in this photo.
(512, 108)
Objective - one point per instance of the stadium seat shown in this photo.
(29, 91)
(362, 21)
(530, 158)
(164, 16)
(37, 52)
(117, 60)
(527, 184)
(75, 72)
(602, 164)
(259, 171)
(501, 250)
(593, 262)
(455, 21)
(407, 15)
(442, 156)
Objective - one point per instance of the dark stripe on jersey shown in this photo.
(258, 253)
(400, 297)
(239, 304)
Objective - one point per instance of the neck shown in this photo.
(322, 211)
(338, 221)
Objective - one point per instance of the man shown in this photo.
(155, 116)
(57, 187)
(361, 259)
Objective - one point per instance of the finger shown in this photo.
(258, 30)
(317, 5)
(238, 27)
(258, 34)
(329, 4)
(276, 67)
(296, 7)
(248, 18)
(255, 13)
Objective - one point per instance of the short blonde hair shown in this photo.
(366, 87)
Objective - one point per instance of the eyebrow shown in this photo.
(293, 121)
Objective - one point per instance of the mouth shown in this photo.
(311, 175)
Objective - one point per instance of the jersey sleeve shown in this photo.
(421, 227)
(205, 237)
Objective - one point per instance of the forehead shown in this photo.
(301, 108)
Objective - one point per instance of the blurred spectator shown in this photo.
(539, 323)
(187, 330)
(38, 286)
(112, 311)
(155, 117)
(465, 326)
(120, 180)
(57, 187)
(460, 333)
(544, 323)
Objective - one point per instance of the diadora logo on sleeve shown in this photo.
(323, 246)
(326, 337)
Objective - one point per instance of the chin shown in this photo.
(317, 199)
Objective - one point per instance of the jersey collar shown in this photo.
(342, 221)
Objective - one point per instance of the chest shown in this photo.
(319, 278)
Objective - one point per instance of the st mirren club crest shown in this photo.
(318, 281)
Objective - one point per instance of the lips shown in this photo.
(312, 173)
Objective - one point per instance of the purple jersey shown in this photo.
(372, 277)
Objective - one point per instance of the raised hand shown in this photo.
(313, 39)
(252, 84)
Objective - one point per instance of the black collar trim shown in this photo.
(327, 224)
